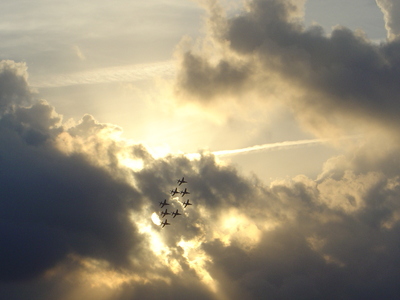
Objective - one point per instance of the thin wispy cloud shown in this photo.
(107, 75)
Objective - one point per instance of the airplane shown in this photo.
(164, 223)
(186, 203)
(163, 213)
(162, 203)
(175, 213)
(173, 192)
(184, 192)
(180, 181)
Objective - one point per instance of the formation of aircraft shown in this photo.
(173, 193)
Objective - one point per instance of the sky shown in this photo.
(281, 115)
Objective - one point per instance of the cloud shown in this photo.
(73, 216)
(54, 204)
(75, 221)
(294, 239)
(79, 52)
(391, 11)
(328, 81)
(107, 75)
(13, 89)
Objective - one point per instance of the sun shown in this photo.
(155, 218)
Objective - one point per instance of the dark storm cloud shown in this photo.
(66, 223)
(13, 89)
(212, 187)
(53, 204)
(317, 251)
(283, 266)
(343, 73)
(337, 238)
(69, 215)
(208, 81)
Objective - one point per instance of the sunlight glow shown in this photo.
(134, 164)
(97, 277)
(157, 245)
(236, 226)
(197, 260)
(159, 151)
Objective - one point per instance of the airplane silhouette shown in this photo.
(184, 192)
(163, 203)
(165, 223)
(175, 213)
(180, 181)
(163, 213)
(186, 203)
(173, 192)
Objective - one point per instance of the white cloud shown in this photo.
(330, 82)
(391, 12)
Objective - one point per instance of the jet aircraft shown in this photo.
(186, 203)
(173, 192)
(175, 213)
(164, 223)
(163, 203)
(163, 213)
(180, 181)
(184, 192)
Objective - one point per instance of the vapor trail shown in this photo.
(127, 73)
(271, 146)
(276, 146)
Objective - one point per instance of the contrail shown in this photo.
(271, 146)
(114, 74)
